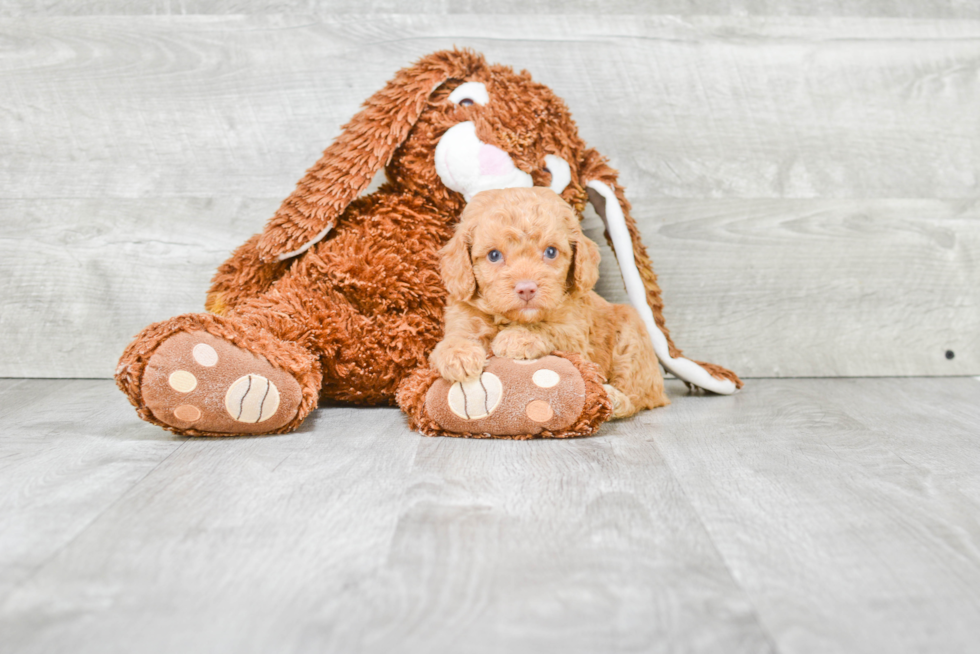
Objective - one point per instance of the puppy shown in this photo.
(519, 273)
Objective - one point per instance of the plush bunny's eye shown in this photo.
(551, 252)
(470, 93)
(494, 256)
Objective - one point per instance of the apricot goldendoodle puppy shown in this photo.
(520, 272)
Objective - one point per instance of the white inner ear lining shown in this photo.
(313, 241)
(685, 369)
(561, 172)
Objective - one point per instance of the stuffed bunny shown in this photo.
(340, 296)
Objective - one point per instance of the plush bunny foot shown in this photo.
(197, 383)
(556, 396)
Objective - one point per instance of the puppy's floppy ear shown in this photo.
(601, 182)
(584, 271)
(367, 143)
(456, 264)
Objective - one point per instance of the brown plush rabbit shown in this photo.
(340, 296)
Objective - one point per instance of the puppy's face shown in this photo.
(519, 253)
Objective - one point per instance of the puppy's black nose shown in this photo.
(526, 289)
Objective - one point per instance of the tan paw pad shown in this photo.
(476, 398)
(252, 398)
(187, 413)
(205, 355)
(539, 411)
(182, 381)
(545, 378)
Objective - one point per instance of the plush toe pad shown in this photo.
(201, 383)
(511, 398)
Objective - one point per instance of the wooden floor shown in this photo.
(801, 515)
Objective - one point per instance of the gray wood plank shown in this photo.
(847, 509)
(807, 515)
(884, 8)
(341, 538)
(21, 396)
(68, 451)
(862, 8)
(767, 287)
(705, 106)
(7, 387)
(582, 546)
(130, 143)
(234, 543)
(816, 288)
(79, 278)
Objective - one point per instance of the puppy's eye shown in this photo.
(466, 102)
(550, 253)
(494, 256)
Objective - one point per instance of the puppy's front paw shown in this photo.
(520, 344)
(459, 360)
(622, 405)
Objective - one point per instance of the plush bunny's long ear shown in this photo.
(607, 197)
(366, 145)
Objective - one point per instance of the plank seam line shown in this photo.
(390, 536)
(420, 438)
(714, 546)
(40, 566)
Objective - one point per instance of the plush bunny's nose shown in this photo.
(526, 289)
(468, 165)
(494, 161)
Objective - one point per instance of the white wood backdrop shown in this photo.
(806, 174)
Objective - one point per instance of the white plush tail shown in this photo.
(682, 368)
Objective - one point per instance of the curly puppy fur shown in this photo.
(520, 272)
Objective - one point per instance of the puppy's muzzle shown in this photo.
(526, 290)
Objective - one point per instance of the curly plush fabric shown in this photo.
(343, 292)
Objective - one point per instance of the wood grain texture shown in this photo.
(356, 535)
(707, 106)
(803, 516)
(68, 451)
(847, 509)
(577, 546)
(79, 278)
(884, 8)
(238, 543)
(768, 287)
(816, 288)
(807, 185)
